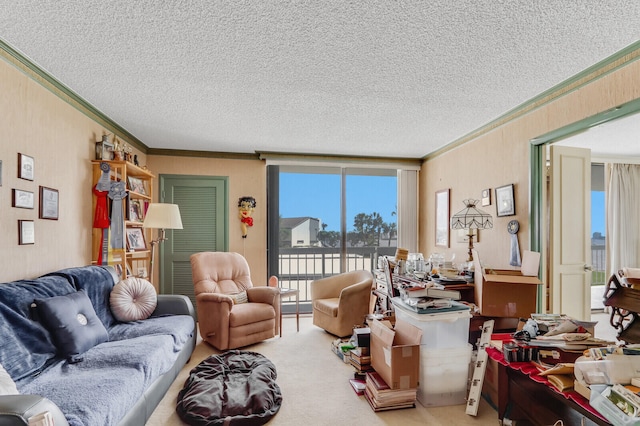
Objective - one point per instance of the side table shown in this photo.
(288, 292)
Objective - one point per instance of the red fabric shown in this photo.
(101, 217)
(531, 370)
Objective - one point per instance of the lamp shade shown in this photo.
(471, 217)
(163, 216)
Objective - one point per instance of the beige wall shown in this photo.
(246, 178)
(62, 141)
(501, 157)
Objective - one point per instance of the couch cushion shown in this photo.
(247, 313)
(327, 306)
(73, 323)
(102, 388)
(133, 299)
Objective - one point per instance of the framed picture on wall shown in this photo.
(442, 218)
(26, 166)
(49, 205)
(22, 199)
(26, 232)
(505, 204)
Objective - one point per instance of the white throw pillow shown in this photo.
(7, 385)
(133, 299)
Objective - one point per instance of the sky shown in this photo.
(318, 195)
(597, 212)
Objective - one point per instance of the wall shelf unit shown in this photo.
(135, 257)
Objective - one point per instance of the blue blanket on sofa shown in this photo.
(102, 388)
(112, 376)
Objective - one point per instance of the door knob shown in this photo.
(588, 268)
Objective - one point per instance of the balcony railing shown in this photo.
(299, 266)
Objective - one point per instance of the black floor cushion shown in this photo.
(233, 388)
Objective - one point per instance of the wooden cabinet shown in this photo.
(132, 255)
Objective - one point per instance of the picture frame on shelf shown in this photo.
(136, 185)
(135, 239)
(118, 268)
(49, 203)
(26, 232)
(26, 166)
(442, 218)
(505, 203)
(142, 272)
(22, 199)
(136, 211)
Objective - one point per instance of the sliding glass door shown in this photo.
(329, 220)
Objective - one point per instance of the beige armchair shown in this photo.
(225, 318)
(342, 301)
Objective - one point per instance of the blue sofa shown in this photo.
(117, 382)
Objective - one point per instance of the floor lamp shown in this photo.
(161, 216)
(471, 218)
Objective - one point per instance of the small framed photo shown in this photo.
(26, 232)
(22, 199)
(505, 204)
(135, 239)
(136, 212)
(118, 268)
(49, 203)
(142, 272)
(486, 197)
(25, 167)
(136, 185)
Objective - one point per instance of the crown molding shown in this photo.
(46, 80)
(608, 65)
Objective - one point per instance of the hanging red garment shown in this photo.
(101, 218)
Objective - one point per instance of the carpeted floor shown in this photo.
(315, 387)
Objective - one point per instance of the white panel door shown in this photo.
(570, 230)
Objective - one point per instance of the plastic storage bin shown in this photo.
(444, 376)
(439, 331)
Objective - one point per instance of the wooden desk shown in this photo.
(521, 398)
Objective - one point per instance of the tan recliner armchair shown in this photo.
(342, 301)
(218, 279)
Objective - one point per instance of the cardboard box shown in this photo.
(395, 353)
(505, 293)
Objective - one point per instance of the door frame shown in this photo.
(537, 178)
(162, 178)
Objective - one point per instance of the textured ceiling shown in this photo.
(376, 78)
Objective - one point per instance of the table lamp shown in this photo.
(161, 216)
(471, 218)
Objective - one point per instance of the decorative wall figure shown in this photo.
(246, 206)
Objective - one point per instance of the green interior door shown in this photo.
(203, 207)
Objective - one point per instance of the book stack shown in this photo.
(360, 359)
(381, 397)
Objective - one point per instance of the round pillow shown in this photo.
(133, 299)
